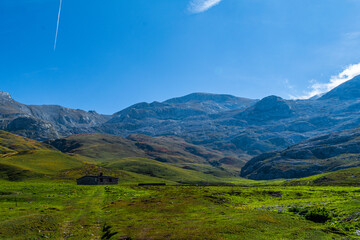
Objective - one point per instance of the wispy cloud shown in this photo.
(198, 6)
(320, 88)
(57, 25)
(352, 36)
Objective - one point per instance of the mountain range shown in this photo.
(227, 128)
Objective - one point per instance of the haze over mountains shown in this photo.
(238, 128)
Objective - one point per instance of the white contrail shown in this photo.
(57, 26)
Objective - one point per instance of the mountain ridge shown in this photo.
(348, 90)
(238, 127)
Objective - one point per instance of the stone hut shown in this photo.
(97, 180)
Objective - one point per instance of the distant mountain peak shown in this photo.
(268, 108)
(201, 97)
(5, 95)
(349, 90)
(272, 103)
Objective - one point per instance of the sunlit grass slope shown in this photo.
(13, 144)
(167, 158)
(98, 147)
(156, 169)
(345, 177)
(103, 147)
(12, 173)
(42, 161)
(22, 158)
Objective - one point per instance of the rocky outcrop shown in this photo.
(32, 128)
(45, 121)
(4, 96)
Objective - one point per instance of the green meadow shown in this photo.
(38, 209)
(39, 199)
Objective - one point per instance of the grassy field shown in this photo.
(62, 210)
(39, 199)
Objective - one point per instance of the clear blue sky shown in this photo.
(113, 53)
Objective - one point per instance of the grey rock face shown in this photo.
(32, 128)
(4, 96)
(46, 121)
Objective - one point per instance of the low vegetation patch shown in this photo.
(315, 214)
(61, 210)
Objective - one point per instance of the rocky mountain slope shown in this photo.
(45, 121)
(317, 155)
(346, 91)
(248, 128)
(237, 127)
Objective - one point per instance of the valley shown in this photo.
(231, 168)
(179, 120)
(39, 198)
(212, 129)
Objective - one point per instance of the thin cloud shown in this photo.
(288, 84)
(198, 6)
(321, 88)
(352, 35)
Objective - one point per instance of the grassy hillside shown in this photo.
(99, 147)
(42, 161)
(12, 173)
(22, 158)
(177, 150)
(326, 153)
(167, 158)
(171, 149)
(11, 144)
(156, 169)
(345, 177)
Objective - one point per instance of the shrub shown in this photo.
(319, 215)
(294, 209)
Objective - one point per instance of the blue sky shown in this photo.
(114, 53)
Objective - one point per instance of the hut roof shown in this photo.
(97, 176)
